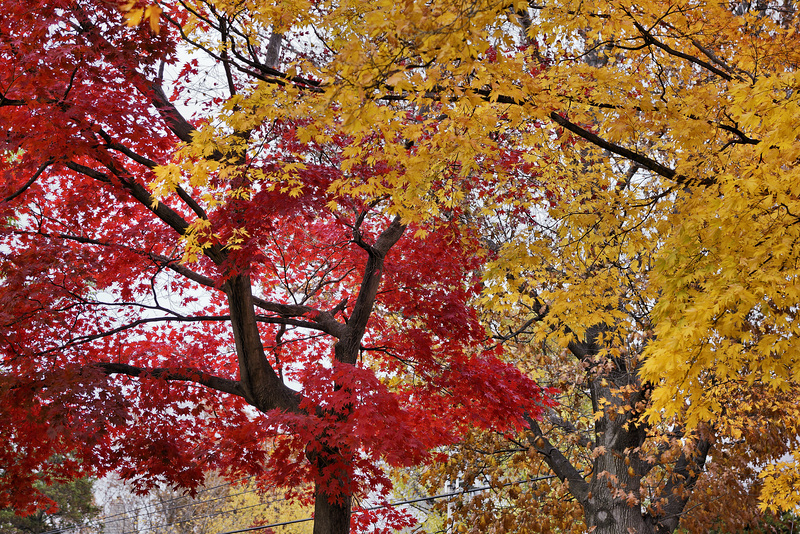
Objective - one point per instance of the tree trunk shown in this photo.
(614, 507)
(332, 514)
(331, 517)
(615, 518)
(611, 496)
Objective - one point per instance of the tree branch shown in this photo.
(176, 122)
(569, 428)
(80, 340)
(263, 387)
(167, 215)
(150, 164)
(649, 39)
(643, 161)
(138, 192)
(183, 374)
(678, 489)
(348, 346)
(712, 56)
(560, 465)
(30, 182)
(324, 321)
(372, 276)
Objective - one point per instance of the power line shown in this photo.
(397, 503)
(205, 516)
(147, 508)
(198, 503)
(164, 508)
(167, 501)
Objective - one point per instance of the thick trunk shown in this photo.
(607, 516)
(331, 516)
(332, 491)
(614, 507)
(611, 495)
(615, 488)
(262, 386)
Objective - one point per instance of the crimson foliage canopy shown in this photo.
(259, 321)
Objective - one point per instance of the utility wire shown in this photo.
(167, 501)
(198, 503)
(205, 516)
(272, 501)
(131, 514)
(397, 503)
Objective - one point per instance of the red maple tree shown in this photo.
(314, 338)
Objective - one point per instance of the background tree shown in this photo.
(73, 505)
(218, 506)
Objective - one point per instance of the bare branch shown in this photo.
(30, 182)
(183, 374)
(560, 465)
(80, 340)
(324, 321)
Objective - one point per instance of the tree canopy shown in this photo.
(299, 207)
(181, 295)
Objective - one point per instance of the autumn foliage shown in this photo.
(306, 240)
(182, 295)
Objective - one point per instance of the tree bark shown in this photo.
(331, 512)
(263, 388)
(610, 493)
(331, 517)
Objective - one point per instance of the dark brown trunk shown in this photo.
(611, 495)
(331, 515)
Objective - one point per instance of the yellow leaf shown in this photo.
(153, 14)
(134, 17)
